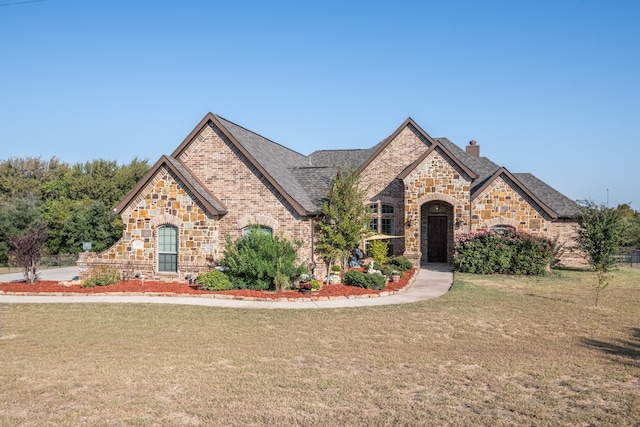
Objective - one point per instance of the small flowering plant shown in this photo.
(311, 285)
(314, 285)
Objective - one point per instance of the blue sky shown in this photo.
(547, 87)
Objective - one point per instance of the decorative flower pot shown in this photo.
(310, 291)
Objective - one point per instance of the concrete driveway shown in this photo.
(433, 280)
(58, 274)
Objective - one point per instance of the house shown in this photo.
(222, 178)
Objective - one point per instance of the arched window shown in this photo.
(502, 228)
(168, 248)
(260, 228)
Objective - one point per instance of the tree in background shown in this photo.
(632, 221)
(27, 177)
(346, 217)
(601, 233)
(74, 201)
(26, 250)
(16, 216)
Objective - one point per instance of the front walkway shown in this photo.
(431, 281)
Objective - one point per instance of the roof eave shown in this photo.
(164, 161)
(437, 145)
(545, 208)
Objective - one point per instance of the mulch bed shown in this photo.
(138, 287)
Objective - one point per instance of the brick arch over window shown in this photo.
(501, 221)
(440, 197)
(166, 219)
(258, 219)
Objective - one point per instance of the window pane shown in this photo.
(262, 229)
(168, 262)
(387, 226)
(168, 239)
(374, 208)
(167, 248)
(387, 209)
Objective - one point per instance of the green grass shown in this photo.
(495, 351)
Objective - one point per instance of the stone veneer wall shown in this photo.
(436, 178)
(164, 201)
(501, 204)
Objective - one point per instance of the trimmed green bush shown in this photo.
(254, 260)
(365, 280)
(400, 263)
(101, 276)
(505, 252)
(214, 280)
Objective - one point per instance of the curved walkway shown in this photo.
(431, 281)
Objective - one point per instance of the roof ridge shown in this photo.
(258, 135)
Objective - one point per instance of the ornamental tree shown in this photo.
(27, 249)
(346, 217)
(601, 233)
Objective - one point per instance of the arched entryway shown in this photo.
(436, 231)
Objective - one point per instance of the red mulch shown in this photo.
(47, 286)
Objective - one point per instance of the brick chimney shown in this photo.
(473, 149)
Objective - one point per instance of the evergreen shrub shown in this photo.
(254, 260)
(365, 280)
(101, 276)
(400, 263)
(214, 280)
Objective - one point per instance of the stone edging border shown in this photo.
(213, 296)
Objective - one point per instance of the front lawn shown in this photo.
(495, 351)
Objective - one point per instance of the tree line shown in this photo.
(73, 202)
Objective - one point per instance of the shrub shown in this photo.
(214, 280)
(378, 250)
(400, 263)
(507, 252)
(254, 260)
(101, 276)
(365, 280)
(336, 268)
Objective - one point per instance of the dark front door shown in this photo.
(437, 239)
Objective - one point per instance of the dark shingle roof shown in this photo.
(278, 161)
(561, 204)
(314, 180)
(482, 166)
(340, 158)
(485, 168)
(304, 178)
